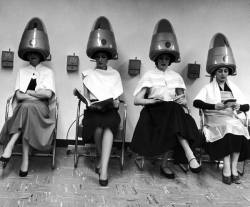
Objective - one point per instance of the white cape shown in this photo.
(103, 84)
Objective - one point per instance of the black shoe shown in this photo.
(23, 173)
(4, 160)
(166, 174)
(235, 179)
(103, 182)
(194, 170)
(97, 170)
(226, 179)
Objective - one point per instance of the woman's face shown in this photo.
(221, 74)
(101, 60)
(34, 59)
(163, 62)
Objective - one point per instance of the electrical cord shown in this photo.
(71, 126)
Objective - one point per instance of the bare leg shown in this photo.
(234, 162)
(226, 166)
(25, 157)
(98, 142)
(9, 147)
(107, 143)
(188, 152)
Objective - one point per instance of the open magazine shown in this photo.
(99, 105)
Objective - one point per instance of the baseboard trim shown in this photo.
(66, 143)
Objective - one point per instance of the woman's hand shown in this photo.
(153, 100)
(219, 106)
(181, 101)
(116, 103)
(95, 107)
(30, 92)
(236, 107)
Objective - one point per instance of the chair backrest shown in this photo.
(53, 107)
(123, 115)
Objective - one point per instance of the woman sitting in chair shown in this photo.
(163, 125)
(34, 88)
(226, 136)
(102, 83)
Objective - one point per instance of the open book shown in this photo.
(172, 99)
(100, 105)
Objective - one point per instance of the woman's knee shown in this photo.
(108, 132)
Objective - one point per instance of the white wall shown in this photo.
(69, 22)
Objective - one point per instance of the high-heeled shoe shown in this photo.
(170, 175)
(5, 161)
(97, 170)
(23, 173)
(235, 179)
(103, 182)
(226, 179)
(194, 170)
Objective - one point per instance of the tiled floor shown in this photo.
(66, 186)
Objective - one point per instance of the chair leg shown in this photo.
(122, 154)
(76, 153)
(184, 169)
(122, 159)
(54, 155)
(139, 161)
(241, 173)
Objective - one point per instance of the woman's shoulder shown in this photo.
(150, 73)
(44, 68)
(113, 72)
(173, 73)
(207, 86)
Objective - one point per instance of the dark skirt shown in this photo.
(93, 119)
(33, 119)
(229, 144)
(157, 129)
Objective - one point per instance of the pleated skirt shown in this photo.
(158, 127)
(33, 119)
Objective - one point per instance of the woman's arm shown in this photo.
(241, 107)
(20, 96)
(203, 105)
(116, 102)
(141, 100)
(244, 107)
(182, 100)
(41, 93)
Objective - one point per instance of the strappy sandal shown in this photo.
(194, 170)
